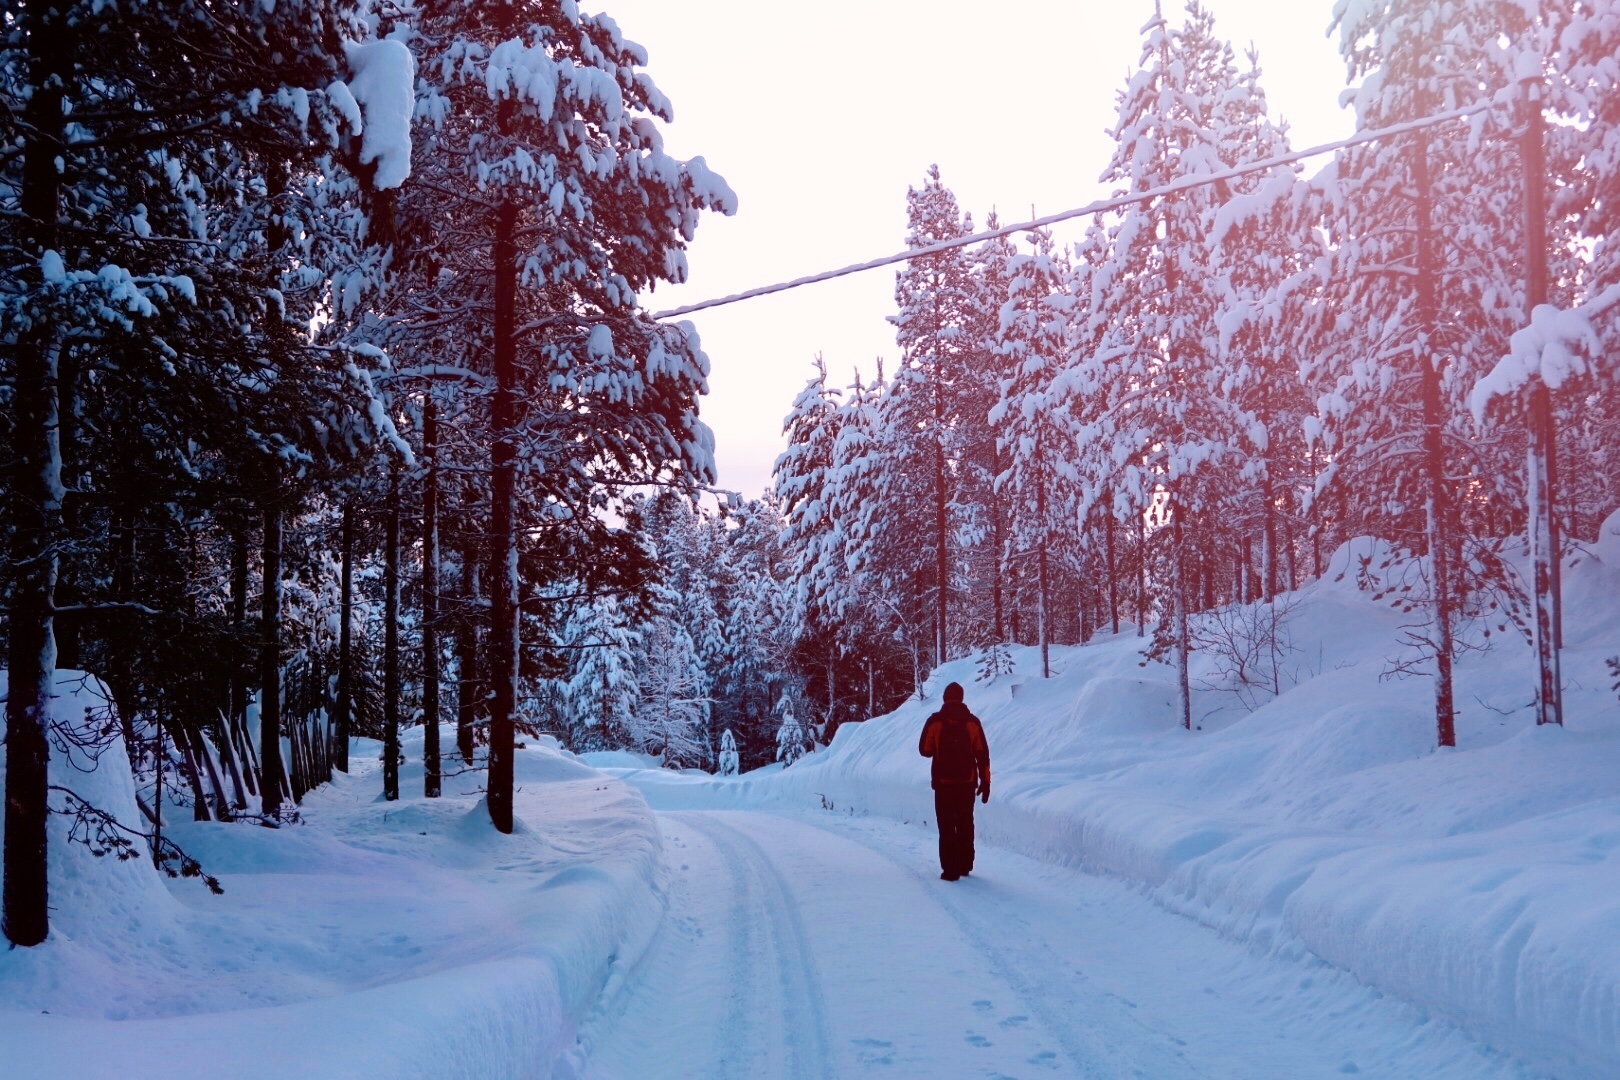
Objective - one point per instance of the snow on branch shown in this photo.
(1559, 344)
(378, 100)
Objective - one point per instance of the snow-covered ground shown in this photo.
(1304, 889)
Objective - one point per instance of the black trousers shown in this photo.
(953, 808)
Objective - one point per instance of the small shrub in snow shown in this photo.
(790, 737)
(1248, 646)
(994, 662)
(729, 765)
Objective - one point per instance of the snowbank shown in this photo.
(1482, 884)
(377, 939)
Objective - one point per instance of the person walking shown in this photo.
(954, 738)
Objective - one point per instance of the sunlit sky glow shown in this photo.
(820, 117)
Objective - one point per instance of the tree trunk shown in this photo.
(1540, 466)
(121, 638)
(1141, 575)
(391, 644)
(1183, 639)
(68, 627)
(1043, 586)
(430, 600)
(271, 773)
(503, 638)
(193, 775)
(998, 558)
(469, 691)
(222, 807)
(345, 681)
(942, 564)
(1439, 525)
(34, 509)
(1113, 575)
(1268, 556)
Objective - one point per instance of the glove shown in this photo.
(984, 791)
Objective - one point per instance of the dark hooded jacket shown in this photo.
(969, 765)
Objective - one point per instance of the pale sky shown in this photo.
(820, 116)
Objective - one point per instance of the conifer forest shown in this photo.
(333, 406)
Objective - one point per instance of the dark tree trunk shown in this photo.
(1044, 585)
(343, 710)
(998, 559)
(942, 564)
(192, 774)
(68, 628)
(1268, 584)
(391, 645)
(271, 773)
(121, 651)
(1439, 524)
(469, 688)
(1113, 575)
(503, 638)
(33, 510)
(1141, 576)
(430, 600)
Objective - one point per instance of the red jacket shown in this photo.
(967, 770)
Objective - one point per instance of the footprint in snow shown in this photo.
(975, 1039)
(874, 1051)
(983, 1006)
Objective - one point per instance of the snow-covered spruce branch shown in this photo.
(109, 605)
(104, 835)
(438, 372)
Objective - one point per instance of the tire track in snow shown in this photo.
(759, 887)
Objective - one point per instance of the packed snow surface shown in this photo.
(1302, 886)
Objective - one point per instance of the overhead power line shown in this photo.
(1185, 184)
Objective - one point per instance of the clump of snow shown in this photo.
(97, 902)
(382, 84)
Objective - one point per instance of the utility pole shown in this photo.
(1541, 474)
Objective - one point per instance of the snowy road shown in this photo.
(819, 945)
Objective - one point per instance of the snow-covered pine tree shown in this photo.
(761, 621)
(1425, 232)
(1162, 438)
(671, 716)
(1031, 420)
(981, 505)
(930, 400)
(602, 686)
(805, 480)
(790, 735)
(728, 754)
(143, 234)
(538, 130)
(871, 597)
(1264, 244)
